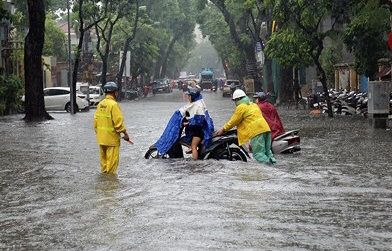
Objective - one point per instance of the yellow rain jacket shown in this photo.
(108, 122)
(249, 121)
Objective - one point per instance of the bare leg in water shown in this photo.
(195, 142)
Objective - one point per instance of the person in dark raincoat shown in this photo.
(270, 114)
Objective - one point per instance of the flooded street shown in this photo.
(336, 194)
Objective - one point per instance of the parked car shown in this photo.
(162, 85)
(95, 94)
(58, 99)
(230, 86)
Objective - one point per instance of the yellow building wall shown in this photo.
(47, 71)
(346, 77)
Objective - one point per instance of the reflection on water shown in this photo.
(336, 194)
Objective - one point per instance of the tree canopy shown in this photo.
(309, 33)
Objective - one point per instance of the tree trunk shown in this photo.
(323, 79)
(247, 47)
(76, 67)
(104, 68)
(169, 49)
(251, 67)
(157, 68)
(225, 69)
(126, 48)
(286, 93)
(268, 75)
(120, 73)
(109, 26)
(34, 42)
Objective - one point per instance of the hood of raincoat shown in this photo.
(244, 100)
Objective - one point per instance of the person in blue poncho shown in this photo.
(198, 125)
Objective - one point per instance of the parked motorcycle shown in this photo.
(288, 142)
(224, 146)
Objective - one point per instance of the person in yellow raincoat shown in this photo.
(108, 126)
(252, 126)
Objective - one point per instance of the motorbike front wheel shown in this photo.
(235, 154)
(153, 154)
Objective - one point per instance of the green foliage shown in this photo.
(330, 57)
(289, 48)
(11, 90)
(55, 40)
(213, 25)
(142, 52)
(175, 20)
(3, 12)
(366, 37)
(50, 5)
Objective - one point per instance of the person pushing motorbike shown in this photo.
(252, 126)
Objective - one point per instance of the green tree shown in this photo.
(55, 39)
(89, 14)
(244, 20)
(115, 11)
(176, 21)
(130, 34)
(366, 35)
(301, 38)
(213, 25)
(142, 53)
(11, 88)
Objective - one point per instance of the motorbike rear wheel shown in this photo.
(236, 154)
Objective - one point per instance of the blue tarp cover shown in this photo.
(172, 132)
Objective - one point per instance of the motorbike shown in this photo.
(288, 142)
(224, 146)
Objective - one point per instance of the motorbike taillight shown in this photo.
(293, 140)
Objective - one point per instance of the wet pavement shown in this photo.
(336, 194)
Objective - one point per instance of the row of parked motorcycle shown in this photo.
(343, 102)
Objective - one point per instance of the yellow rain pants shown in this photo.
(109, 157)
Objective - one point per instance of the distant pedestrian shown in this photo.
(108, 126)
(221, 84)
(233, 87)
(184, 90)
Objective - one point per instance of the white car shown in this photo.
(58, 99)
(96, 95)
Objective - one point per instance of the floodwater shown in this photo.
(336, 194)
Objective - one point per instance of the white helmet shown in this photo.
(238, 94)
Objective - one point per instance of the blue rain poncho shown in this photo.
(198, 115)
